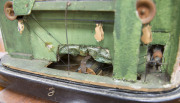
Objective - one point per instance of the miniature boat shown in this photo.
(92, 50)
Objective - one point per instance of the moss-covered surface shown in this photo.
(167, 20)
(127, 32)
(142, 59)
(160, 38)
(23, 7)
(163, 20)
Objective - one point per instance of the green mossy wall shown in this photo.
(126, 40)
(166, 22)
(14, 41)
(79, 32)
(142, 59)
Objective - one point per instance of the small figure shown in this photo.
(147, 35)
(99, 36)
(20, 26)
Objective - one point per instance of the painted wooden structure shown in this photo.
(44, 31)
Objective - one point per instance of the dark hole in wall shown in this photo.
(155, 56)
(19, 17)
(139, 77)
(101, 69)
(152, 47)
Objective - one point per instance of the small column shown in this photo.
(127, 34)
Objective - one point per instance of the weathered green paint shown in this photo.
(167, 21)
(99, 54)
(163, 20)
(22, 55)
(76, 5)
(1, 15)
(127, 32)
(80, 32)
(165, 58)
(13, 40)
(160, 38)
(172, 51)
(142, 59)
(174, 40)
(124, 45)
(23, 7)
